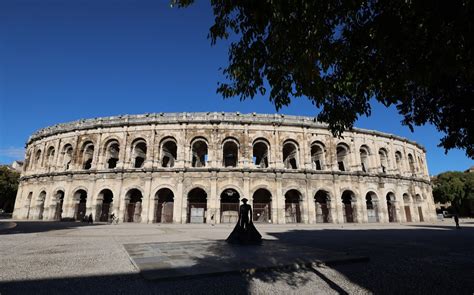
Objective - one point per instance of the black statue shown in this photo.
(244, 231)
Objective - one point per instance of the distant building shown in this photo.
(15, 166)
(470, 170)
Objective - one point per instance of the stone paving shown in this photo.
(191, 258)
(76, 258)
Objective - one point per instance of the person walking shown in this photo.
(456, 220)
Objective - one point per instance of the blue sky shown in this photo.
(65, 60)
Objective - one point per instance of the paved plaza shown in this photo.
(75, 258)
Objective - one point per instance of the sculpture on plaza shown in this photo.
(244, 232)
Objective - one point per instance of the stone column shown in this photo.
(280, 200)
(150, 152)
(179, 200)
(147, 200)
(213, 201)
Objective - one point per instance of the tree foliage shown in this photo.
(416, 55)
(453, 187)
(8, 188)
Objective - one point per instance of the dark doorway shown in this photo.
(134, 206)
(391, 207)
(293, 206)
(197, 206)
(107, 199)
(230, 201)
(164, 206)
(262, 206)
(322, 209)
(347, 198)
(58, 212)
(81, 199)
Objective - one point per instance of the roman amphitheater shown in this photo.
(196, 167)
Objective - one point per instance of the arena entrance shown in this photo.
(81, 199)
(348, 198)
(58, 211)
(103, 209)
(40, 206)
(419, 201)
(262, 206)
(391, 209)
(133, 212)
(406, 201)
(164, 203)
(197, 206)
(230, 201)
(371, 205)
(293, 206)
(321, 199)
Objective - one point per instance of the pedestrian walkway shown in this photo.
(194, 258)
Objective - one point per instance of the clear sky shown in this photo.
(63, 60)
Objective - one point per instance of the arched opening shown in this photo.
(169, 152)
(51, 153)
(197, 206)
(230, 153)
(317, 156)
(342, 152)
(290, 155)
(199, 153)
(164, 202)
(293, 206)
(349, 206)
(40, 206)
(67, 156)
(103, 209)
(411, 163)
(134, 206)
(139, 149)
(87, 155)
(419, 202)
(322, 199)
(383, 160)
(398, 161)
(28, 204)
(58, 212)
(27, 161)
(407, 203)
(391, 208)
(371, 205)
(230, 200)
(38, 159)
(112, 152)
(364, 158)
(262, 206)
(80, 197)
(260, 153)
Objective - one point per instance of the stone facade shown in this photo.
(195, 167)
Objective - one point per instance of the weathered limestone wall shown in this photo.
(48, 172)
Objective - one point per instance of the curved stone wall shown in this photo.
(196, 167)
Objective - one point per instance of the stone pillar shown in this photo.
(179, 200)
(147, 201)
(363, 210)
(213, 201)
(279, 209)
(305, 218)
(150, 151)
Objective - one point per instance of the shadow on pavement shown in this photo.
(26, 227)
(416, 260)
